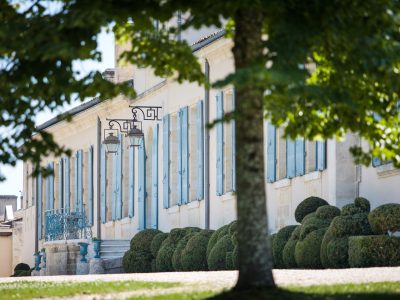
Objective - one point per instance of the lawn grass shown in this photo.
(29, 289)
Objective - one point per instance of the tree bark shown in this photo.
(255, 257)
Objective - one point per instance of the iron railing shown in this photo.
(62, 224)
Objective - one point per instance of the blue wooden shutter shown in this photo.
(103, 183)
(47, 192)
(200, 150)
(80, 181)
(154, 180)
(271, 153)
(76, 180)
(67, 186)
(321, 155)
(166, 161)
(300, 157)
(131, 181)
(90, 185)
(179, 155)
(39, 205)
(220, 144)
(290, 158)
(118, 183)
(60, 184)
(185, 155)
(233, 145)
(142, 185)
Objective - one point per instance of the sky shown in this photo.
(13, 184)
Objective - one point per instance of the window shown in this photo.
(286, 158)
(173, 169)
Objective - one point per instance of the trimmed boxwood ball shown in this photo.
(229, 260)
(232, 227)
(235, 257)
(193, 256)
(363, 204)
(385, 218)
(288, 251)
(350, 209)
(142, 240)
(337, 251)
(307, 206)
(278, 243)
(156, 242)
(217, 258)
(307, 250)
(374, 251)
(327, 212)
(177, 233)
(164, 255)
(22, 267)
(323, 251)
(176, 258)
(137, 261)
(334, 249)
(311, 224)
(234, 238)
(215, 236)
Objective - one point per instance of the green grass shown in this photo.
(29, 290)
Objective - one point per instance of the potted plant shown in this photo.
(43, 254)
(96, 247)
(83, 251)
(37, 260)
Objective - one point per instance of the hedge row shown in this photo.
(332, 238)
(183, 249)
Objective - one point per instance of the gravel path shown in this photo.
(226, 279)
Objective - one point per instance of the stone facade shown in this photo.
(338, 182)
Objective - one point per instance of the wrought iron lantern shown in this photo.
(132, 128)
(111, 143)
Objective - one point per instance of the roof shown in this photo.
(8, 197)
(201, 43)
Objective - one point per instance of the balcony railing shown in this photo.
(65, 225)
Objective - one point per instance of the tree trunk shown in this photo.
(255, 257)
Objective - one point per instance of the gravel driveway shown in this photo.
(226, 279)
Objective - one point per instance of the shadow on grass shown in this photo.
(282, 294)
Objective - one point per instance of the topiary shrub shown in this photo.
(307, 206)
(327, 212)
(350, 209)
(142, 240)
(337, 251)
(307, 250)
(156, 243)
(334, 246)
(363, 204)
(22, 267)
(168, 247)
(215, 236)
(194, 255)
(176, 258)
(311, 224)
(232, 227)
(279, 241)
(288, 251)
(217, 258)
(374, 251)
(235, 257)
(164, 255)
(137, 261)
(229, 260)
(385, 218)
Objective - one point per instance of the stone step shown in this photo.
(112, 242)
